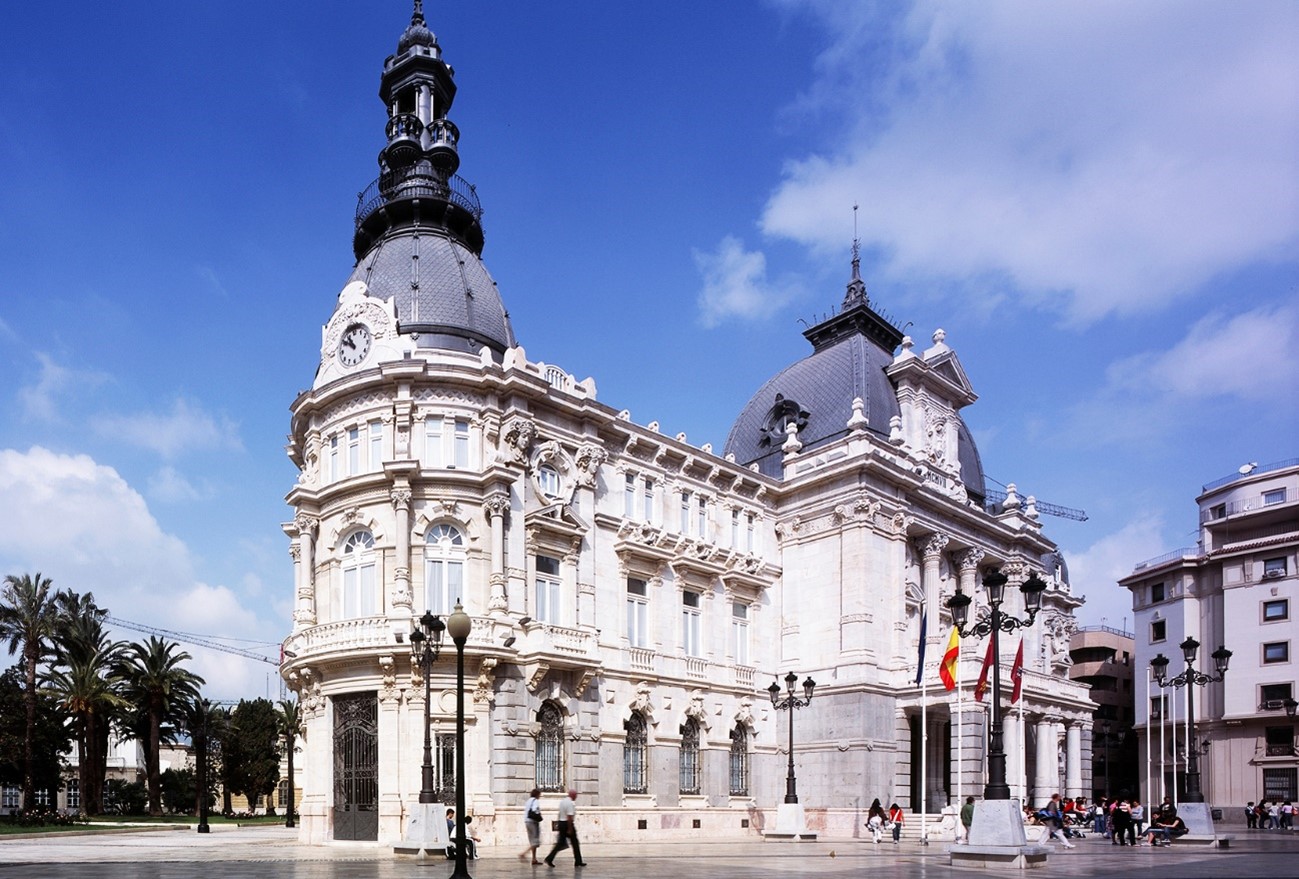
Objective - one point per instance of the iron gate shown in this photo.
(356, 767)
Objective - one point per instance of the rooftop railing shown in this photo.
(416, 182)
(1265, 468)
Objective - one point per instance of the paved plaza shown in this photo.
(243, 853)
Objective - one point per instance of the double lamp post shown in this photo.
(1191, 678)
(425, 645)
(789, 703)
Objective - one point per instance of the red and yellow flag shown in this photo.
(982, 686)
(1017, 673)
(947, 668)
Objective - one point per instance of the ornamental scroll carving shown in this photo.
(933, 545)
(497, 504)
(969, 560)
(306, 524)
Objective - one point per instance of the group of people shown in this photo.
(1269, 815)
(878, 821)
(1121, 819)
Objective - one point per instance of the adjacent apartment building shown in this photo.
(1236, 588)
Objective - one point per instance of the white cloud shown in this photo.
(167, 485)
(1221, 355)
(736, 284)
(42, 400)
(1094, 572)
(80, 523)
(1109, 156)
(186, 428)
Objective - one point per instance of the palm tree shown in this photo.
(27, 620)
(290, 723)
(162, 689)
(85, 680)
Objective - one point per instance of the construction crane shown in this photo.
(189, 638)
(996, 497)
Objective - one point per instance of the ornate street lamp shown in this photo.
(789, 703)
(1191, 679)
(994, 582)
(425, 645)
(458, 627)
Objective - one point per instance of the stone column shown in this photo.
(1073, 775)
(932, 549)
(305, 612)
(400, 600)
(1046, 779)
(496, 506)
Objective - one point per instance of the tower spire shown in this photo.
(417, 17)
(856, 294)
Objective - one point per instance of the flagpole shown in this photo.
(960, 736)
(1150, 788)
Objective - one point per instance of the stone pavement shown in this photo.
(245, 853)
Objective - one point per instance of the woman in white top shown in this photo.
(532, 823)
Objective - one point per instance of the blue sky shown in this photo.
(1099, 203)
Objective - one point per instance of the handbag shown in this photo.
(534, 814)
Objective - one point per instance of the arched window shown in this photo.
(740, 761)
(548, 480)
(358, 576)
(690, 757)
(633, 754)
(444, 568)
(550, 748)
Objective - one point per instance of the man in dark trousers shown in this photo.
(567, 815)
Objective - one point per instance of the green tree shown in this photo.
(179, 790)
(252, 754)
(290, 724)
(27, 620)
(52, 737)
(85, 680)
(155, 681)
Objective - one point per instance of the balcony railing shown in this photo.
(1266, 468)
(414, 182)
(1167, 557)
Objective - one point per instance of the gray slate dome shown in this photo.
(817, 390)
(440, 288)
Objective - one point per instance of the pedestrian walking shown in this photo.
(567, 816)
(967, 816)
(1124, 833)
(897, 818)
(532, 824)
(1053, 816)
(875, 819)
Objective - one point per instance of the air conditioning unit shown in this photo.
(1271, 705)
(1272, 575)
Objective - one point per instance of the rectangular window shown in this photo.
(629, 497)
(376, 446)
(1274, 567)
(334, 473)
(1158, 631)
(1275, 496)
(353, 451)
(685, 512)
(647, 510)
(752, 541)
(548, 609)
(735, 529)
(1276, 651)
(1280, 785)
(1280, 741)
(433, 456)
(74, 793)
(1276, 610)
(690, 623)
(637, 613)
(444, 584)
(358, 591)
(702, 533)
(740, 632)
(43, 797)
(444, 767)
(1218, 511)
(1273, 696)
(1156, 593)
(10, 796)
(1158, 705)
(460, 454)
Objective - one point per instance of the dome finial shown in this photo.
(856, 294)
(417, 17)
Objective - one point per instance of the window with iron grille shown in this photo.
(1280, 784)
(739, 761)
(690, 757)
(444, 767)
(633, 754)
(550, 748)
(1280, 741)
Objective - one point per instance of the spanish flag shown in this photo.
(947, 668)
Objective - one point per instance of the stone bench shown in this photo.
(1023, 857)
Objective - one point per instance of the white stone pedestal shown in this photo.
(1197, 818)
(997, 839)
(426, 830)
(790, 823)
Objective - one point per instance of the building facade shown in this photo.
(1236, 588)
(632, 594)
(1102, 660)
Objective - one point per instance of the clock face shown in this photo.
(354, 345)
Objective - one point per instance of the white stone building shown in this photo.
(1236, 588)
(632, 594)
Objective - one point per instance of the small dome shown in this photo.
(417, 34)
(440, 288)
